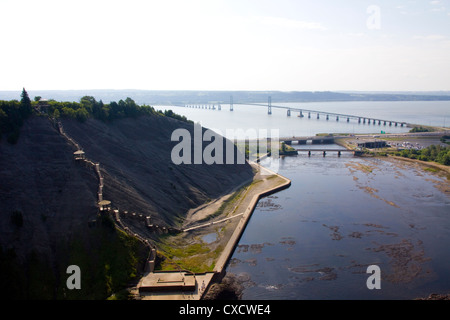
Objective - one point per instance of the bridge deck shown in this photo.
(297, 109)
(323, 149)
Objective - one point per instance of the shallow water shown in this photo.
(316, 239)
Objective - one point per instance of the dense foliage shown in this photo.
(13, 113)
(419, 129)
(434, 153)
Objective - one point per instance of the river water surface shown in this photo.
(316, 239)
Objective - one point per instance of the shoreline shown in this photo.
(233, 241)
(422, 163)
(152, 287)
(251, 200)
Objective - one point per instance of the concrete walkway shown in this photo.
(266, 182)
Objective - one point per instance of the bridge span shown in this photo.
(302, 112)
(325, 151)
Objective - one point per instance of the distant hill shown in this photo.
(155, 97)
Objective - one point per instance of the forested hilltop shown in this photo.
(14, 112)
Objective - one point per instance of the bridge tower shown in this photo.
(231, 103)
(269, 106)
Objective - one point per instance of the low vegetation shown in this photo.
(421, 129)
(195, 257)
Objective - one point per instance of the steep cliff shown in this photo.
(46, 198)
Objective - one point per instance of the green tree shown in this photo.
(25, 104)
(82, 114)
(56, 114)
(88, 102)
(68, 113)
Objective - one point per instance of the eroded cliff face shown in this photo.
(56, 195)
(139, 174)
(40, 180)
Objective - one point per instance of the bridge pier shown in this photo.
(324, 153)
(309, 115)
(359, 120)
(339, 153)
(327, 117)
(288, 112)
(301, 114)
(269, 106)
(318, 117)
(337, 118)
(348, 119)
(309, 153)
(396, 124)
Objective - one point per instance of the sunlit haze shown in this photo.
(287, 45)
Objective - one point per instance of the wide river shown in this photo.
(316, 239)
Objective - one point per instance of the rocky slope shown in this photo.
(40, 180)
(57, 197)
(135, 159)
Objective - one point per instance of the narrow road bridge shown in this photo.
(325, 151)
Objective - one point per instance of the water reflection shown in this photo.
(316, 239)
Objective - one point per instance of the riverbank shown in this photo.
(339, 216)
(205, 248)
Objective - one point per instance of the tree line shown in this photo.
(13, 113)
(434, 153)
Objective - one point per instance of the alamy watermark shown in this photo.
(209, 147)
(373, 22)
(74, 280)
(374, 281)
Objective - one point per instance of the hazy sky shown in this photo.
(225, 45)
